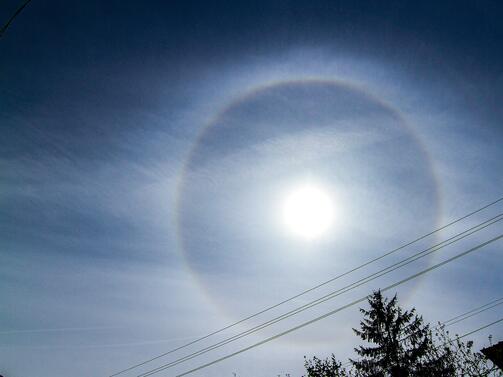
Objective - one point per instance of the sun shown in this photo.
(308, 211)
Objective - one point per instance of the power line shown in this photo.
(344, 307)
(16, 13)
(316, 302)
(456, 338)
(336, 293)
(269, 308)
(458, 318)
(489, 303)
(474, 314)
(470, 333)
(480, 329)
(332, 312)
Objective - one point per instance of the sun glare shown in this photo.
(308, 211)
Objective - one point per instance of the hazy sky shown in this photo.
(148, 147)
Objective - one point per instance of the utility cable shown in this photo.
(316, 319)
(458, 318)
(269, 308)
(16, 13)
(480, 329)
(473, 314)
(336, 293)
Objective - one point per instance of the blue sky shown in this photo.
(147, 148)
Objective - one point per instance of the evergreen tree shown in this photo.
(325, 368)
(399, 344)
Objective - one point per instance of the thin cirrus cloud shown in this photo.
(110, 259)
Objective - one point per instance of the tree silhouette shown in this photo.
(325, 368)
(403, 343)
(399, 344)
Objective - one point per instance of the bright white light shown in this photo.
(308, 211)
